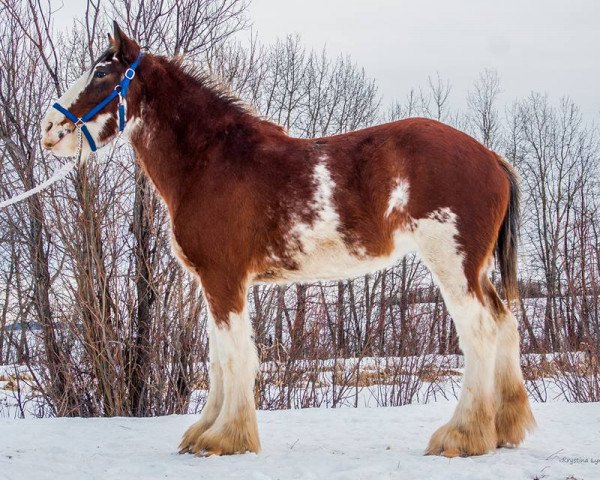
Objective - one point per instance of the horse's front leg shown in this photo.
(234, 430)
(214, 402)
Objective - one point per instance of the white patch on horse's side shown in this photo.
(324, 255)
(322, 246)
(326, 225)
(398, 197)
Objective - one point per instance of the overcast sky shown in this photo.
(548, 46)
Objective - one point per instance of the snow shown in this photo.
(362, 443)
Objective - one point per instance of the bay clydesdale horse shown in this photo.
(248, 203)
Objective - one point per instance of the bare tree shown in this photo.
(122, 326)
(482, 114)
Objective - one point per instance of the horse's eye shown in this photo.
(99, 74)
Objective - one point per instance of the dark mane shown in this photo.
(204, 79)
(200, 78)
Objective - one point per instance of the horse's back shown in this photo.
(412, 168)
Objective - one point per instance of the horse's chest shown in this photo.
(180, 254)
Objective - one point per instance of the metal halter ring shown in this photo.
(119, 89)
(129, 73)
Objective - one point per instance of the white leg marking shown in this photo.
(477, 332)
(436, 240)
(213, 404)
(471, 429)
(239, 362)
(231, 398)
(508, 359)
(513, 417)
(235, 429)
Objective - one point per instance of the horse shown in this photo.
(248, 203)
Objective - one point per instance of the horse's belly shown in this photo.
(330, 259)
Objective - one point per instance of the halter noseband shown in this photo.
(119, 91)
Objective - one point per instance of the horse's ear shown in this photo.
(125, 48)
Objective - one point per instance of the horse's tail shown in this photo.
(508, 236)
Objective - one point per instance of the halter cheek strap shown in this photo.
(119, 91)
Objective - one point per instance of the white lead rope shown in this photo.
(57, 177)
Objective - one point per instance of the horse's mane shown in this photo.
(198, 77)
(201, 78)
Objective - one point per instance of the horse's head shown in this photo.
(90, 90)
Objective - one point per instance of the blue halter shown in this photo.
(119, 91)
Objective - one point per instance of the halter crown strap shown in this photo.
(129, 74)
(119, 91)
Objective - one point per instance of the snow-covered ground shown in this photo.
(363, 443)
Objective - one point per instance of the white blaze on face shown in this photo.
(398, 197)
(72, 94)
(59, 132)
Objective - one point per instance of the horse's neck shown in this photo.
(172, 137)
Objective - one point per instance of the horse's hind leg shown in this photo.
(213, 404)
(513, 416)
(471, 430)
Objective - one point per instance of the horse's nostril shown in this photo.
(49, 126)
(61, 135)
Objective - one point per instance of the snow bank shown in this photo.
(377, 443)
